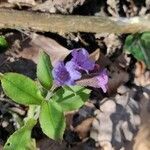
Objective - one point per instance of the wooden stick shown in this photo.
(45, 22)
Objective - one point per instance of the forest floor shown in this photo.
(129, 79)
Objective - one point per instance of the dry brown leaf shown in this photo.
(140, 68)
(117, 78)
(50, 46)
(48, 144)
(123, 61)
(95, 55)
(129, 8)
(63, 6)
(111, 41)
(142, 140)
(84, 127)
(142, 76)
(30, 53)
(69, 117)
(22, 2)
(113, 7)
(143, 137)
(116, 121)
(47, 6)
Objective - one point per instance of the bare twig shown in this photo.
(62, 23)
(17, 110)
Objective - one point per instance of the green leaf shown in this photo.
(71, 98)
(145, 43)
(3, 43)
(128, 42)
(44, 70)
(21, 139)
(133, 47)
(21, 89)
(139, 46)
(52, 120)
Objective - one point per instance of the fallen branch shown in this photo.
(45, 22)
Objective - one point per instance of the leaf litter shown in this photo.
(110, 120)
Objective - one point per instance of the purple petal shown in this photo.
(60, 73)
(80, 54)
(74, 74)
(81, 60)
(88, 65)
(70, 82)
(70, 65)
(103, 80)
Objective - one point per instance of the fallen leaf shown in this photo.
(63, 6)
(48, 144)
(95, 55)
(83, 129)
(142, 76)
(117, 120)
(50, 46)
(23, 2)
(141, 141)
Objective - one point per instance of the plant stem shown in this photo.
(48, 96)
(50, 92)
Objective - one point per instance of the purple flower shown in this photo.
(81, 60)
(65, 74)
(103, 80)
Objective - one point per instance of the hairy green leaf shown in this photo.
(71, 98)
(44, 70)
(21, 139)
(21, 89)
(139, 46)
(52, 120)
(145, 43)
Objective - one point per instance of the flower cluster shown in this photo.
(67, 74)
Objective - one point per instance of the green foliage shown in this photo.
(21, 89)
(145, 47)
(71, 98)
(49, 108)
(3, 43)
(44, 70)
(139, 46)
(21, 139)
(52, 120)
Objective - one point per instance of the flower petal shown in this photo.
(60, 73)
(81, 60)
(74, 74)
(88, 65)
(103, 80)
(80, 53)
